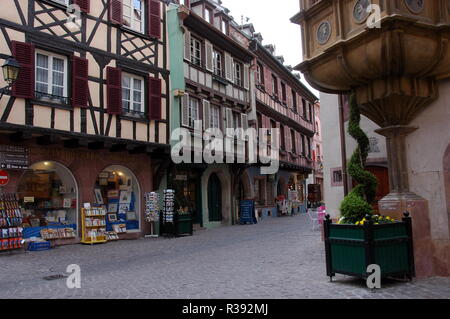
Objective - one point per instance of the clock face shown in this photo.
(360, 10)
(324, 32)
(416, 6)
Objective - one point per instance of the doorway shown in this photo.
(214, 198)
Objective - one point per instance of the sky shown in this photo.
(273, 22)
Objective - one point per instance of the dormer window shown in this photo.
(208, 15)
(224, 27)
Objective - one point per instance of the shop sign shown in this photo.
(4, 178)
(28, 199)
(14, 157)
(181, 178)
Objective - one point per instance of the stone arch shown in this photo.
(223, 174)
(246, 182)
(446, 173)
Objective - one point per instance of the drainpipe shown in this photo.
(343, 144)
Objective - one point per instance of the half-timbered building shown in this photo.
(88, 115)
(282, 102)
(215, 89)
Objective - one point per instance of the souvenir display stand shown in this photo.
(152, 212)
(167, 222)
(93, 225)
(11, 230)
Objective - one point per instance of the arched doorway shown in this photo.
(49, 194)
(214, 198)
(117, 187)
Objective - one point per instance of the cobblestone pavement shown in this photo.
(278, 258)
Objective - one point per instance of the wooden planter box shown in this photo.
(184, 225)
(350, 249)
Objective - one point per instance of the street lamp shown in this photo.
(11, 70)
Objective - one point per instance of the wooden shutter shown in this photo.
(114, 90)
(209, 56)
(206, 114)
(244, 125)
(115, 11)
(268, 80)
(185, 110)
(24, 54)
(287, 141)
(83, 4)
(246, 77)
(80, 82)
(187, 45)
(154, 98)
(154, 18)
(228, 67)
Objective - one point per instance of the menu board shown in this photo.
(14, 157)
(247, 210)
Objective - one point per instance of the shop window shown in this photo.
(133, 94)
(117, 188)
(133, 15)
(51, 77)
(49, 195)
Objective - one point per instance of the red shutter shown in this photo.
(84, 5)
(24, 54)
(115, 11)
(154, 18)
(80, 88)
(154, 98)
(114, 90)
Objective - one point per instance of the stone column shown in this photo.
(401, 198)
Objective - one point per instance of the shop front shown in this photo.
(55, 183)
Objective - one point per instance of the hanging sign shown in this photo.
(4, 178)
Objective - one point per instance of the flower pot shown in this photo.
(350, 249)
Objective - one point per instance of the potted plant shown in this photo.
(360, 238)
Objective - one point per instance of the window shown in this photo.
(309, 147)
(310, 112)
(283, 92)
(224, 27)
(282, 138)
(303, 146)
(51, 76)
(214, 117)
(217, 60)
(237, 73)
(274, 85)
(133, 94)
(208, 15)
(294, 149)
(133, 14)
(65, 2)
(304, 108)
(337, 178)
(196, 52)
(260, 74)
(294, 101)
(193, 111)
(236, 120)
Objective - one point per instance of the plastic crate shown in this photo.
(39, 246)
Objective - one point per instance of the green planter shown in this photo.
(184, 225)
(350, 249)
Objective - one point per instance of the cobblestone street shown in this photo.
(278, 258)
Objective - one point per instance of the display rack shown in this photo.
(11, 230)
(167, 223)
(93, 224)
(152, 212)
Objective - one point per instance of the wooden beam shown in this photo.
(20, 137)
(96, 145)
(118, 148)
(48, 139)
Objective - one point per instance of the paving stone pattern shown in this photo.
(277, 258)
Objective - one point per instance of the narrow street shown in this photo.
(278, 258)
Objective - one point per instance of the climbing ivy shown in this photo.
(358, 203)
